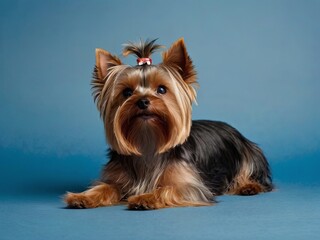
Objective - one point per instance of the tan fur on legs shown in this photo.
(243, 185)
(161, 198)
(97, 196)
(179, 186)
(250, 189)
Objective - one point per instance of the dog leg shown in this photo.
(243, 185)
(163, 197)
(249, 189)
(179, 186)
(97, 196)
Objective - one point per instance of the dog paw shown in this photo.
(250, 189)
(144, 202)
(78, 200)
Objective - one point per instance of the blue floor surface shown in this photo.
(291, 212)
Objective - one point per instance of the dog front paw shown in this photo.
(78, 200)
(144, 202)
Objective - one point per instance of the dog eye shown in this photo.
(127, 92)
(161, 89)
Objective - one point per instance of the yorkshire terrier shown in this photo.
(159, 157)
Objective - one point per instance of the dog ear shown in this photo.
(105, 60)
(177, 57)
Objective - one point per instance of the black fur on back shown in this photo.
(217, 151)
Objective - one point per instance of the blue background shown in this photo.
(258, 68)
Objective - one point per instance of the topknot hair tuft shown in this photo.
(142, 49)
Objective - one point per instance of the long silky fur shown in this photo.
(104, 95)
(214, 150)
(201, 158)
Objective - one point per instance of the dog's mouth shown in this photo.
(146, 116)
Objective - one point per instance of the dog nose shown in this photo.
(143, 103)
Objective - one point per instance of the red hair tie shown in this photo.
(143, 61)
